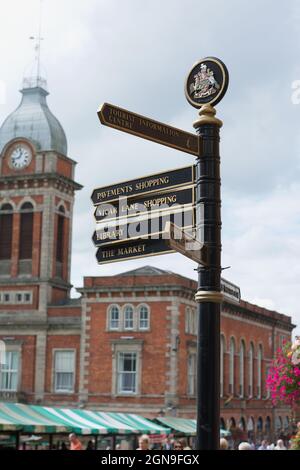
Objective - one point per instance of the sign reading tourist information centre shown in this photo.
(141, 126)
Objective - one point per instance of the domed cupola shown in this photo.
(34, 121)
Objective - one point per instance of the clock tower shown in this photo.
(37, 190)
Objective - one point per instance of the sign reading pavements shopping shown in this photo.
(143, 227)
(141, 126)
(146, 184)
(145, 204)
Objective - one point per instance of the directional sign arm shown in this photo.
(141, 126)
(180, 241)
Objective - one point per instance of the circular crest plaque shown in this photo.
(207, 82)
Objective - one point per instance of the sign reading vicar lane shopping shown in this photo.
(126, 207)
(141, 126)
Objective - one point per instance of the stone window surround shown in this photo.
(126, 346)
(192, 351)
(13, 297)
(62, 392)
(15, 346)
(191, 320)
(136, 326)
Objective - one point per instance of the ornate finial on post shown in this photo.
(207, 116)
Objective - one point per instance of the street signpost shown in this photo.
(141, 126)
(129, 228)
(149, 184)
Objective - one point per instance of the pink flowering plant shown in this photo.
(283, 379)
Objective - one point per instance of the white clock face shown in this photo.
(20, 157)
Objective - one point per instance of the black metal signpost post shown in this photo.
(206, 85)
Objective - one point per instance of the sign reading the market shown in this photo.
(147, 227)
(207, 82)
(146, 184)
(137, 206)
(132, 249)
(141, 126)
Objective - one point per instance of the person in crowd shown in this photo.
(118, 447)
(263, 445)
(90, 445)
(270, 446)
(75, 443)
(184, 443)
(280, 445)
(144, 442)
(178, 445)
(63, 446)
(252, 444)
(167, 444)
(223, 444)
(244, 446)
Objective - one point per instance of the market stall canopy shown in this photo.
(185, 426)
(43, 419)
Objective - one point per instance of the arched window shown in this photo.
(60, 235)
(250, 369)
(6, 225)
(259, 370)
(242, 367)
(250, 424)
(26, 231)
(259, 424)
(268, 425)
(114, 317)
(222, 353)
(143, 317)
(128, 317)
(286, 423)
(278, 423)
(231, 365)
(242, 424)
(231, 423)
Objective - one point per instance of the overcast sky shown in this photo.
(136, 54)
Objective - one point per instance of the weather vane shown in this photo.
(37, 46)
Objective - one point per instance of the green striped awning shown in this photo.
(185, 426)
(43, 419)
(181, 425)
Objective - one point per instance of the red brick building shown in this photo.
(129, 342)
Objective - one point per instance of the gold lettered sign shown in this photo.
(130, 207)
(142, 227)
(143, 185)
(149, 129)
(132, 250)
